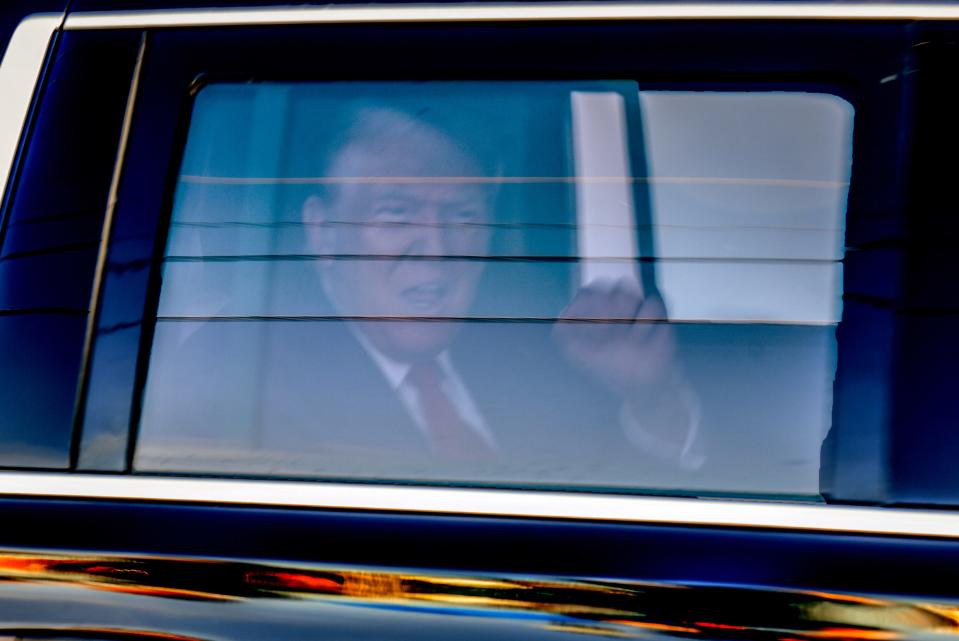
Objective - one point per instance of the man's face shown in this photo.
(405, 235)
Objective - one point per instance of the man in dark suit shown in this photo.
(415, 385)
(407, 371)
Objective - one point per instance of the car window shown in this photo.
(540, 283)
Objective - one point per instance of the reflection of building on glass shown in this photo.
(361, 279)
(755, 182)
(748, 195)
(605, 216)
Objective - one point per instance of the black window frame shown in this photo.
(787, 55)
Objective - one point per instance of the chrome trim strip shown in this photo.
(19, 73)
(509, 12)
(486, 502)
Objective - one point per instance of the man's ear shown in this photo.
(320, 234)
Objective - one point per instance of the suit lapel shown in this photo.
(337, 397)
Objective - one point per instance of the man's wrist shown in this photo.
(663, 419)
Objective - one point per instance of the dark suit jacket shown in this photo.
(322, 408)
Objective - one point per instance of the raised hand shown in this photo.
(623, 340)
(614, 334)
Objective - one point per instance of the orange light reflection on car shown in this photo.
(294, 581)
(720, 626)
(659, 627)
(175, 593)
(853, 633)
(849, 598)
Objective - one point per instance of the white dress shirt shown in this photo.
(452, 385)
(689, 455)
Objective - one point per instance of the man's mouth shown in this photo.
(425, 298)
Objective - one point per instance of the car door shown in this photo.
(232, 231)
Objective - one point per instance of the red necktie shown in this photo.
(450, 436)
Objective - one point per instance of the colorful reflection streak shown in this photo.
(563, 606)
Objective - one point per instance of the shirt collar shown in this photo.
(395, 371)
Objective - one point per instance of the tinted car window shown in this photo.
(540, 283)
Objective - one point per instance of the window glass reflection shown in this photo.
(573, 284)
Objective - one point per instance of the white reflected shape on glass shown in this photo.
(604, 197)
(748, 196)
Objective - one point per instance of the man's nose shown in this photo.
(430, 236)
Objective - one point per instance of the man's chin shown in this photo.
(411, 341)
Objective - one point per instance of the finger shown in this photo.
(622, 302)
(648, 314)
(655, 340)
(591, 301)
(579, 330)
